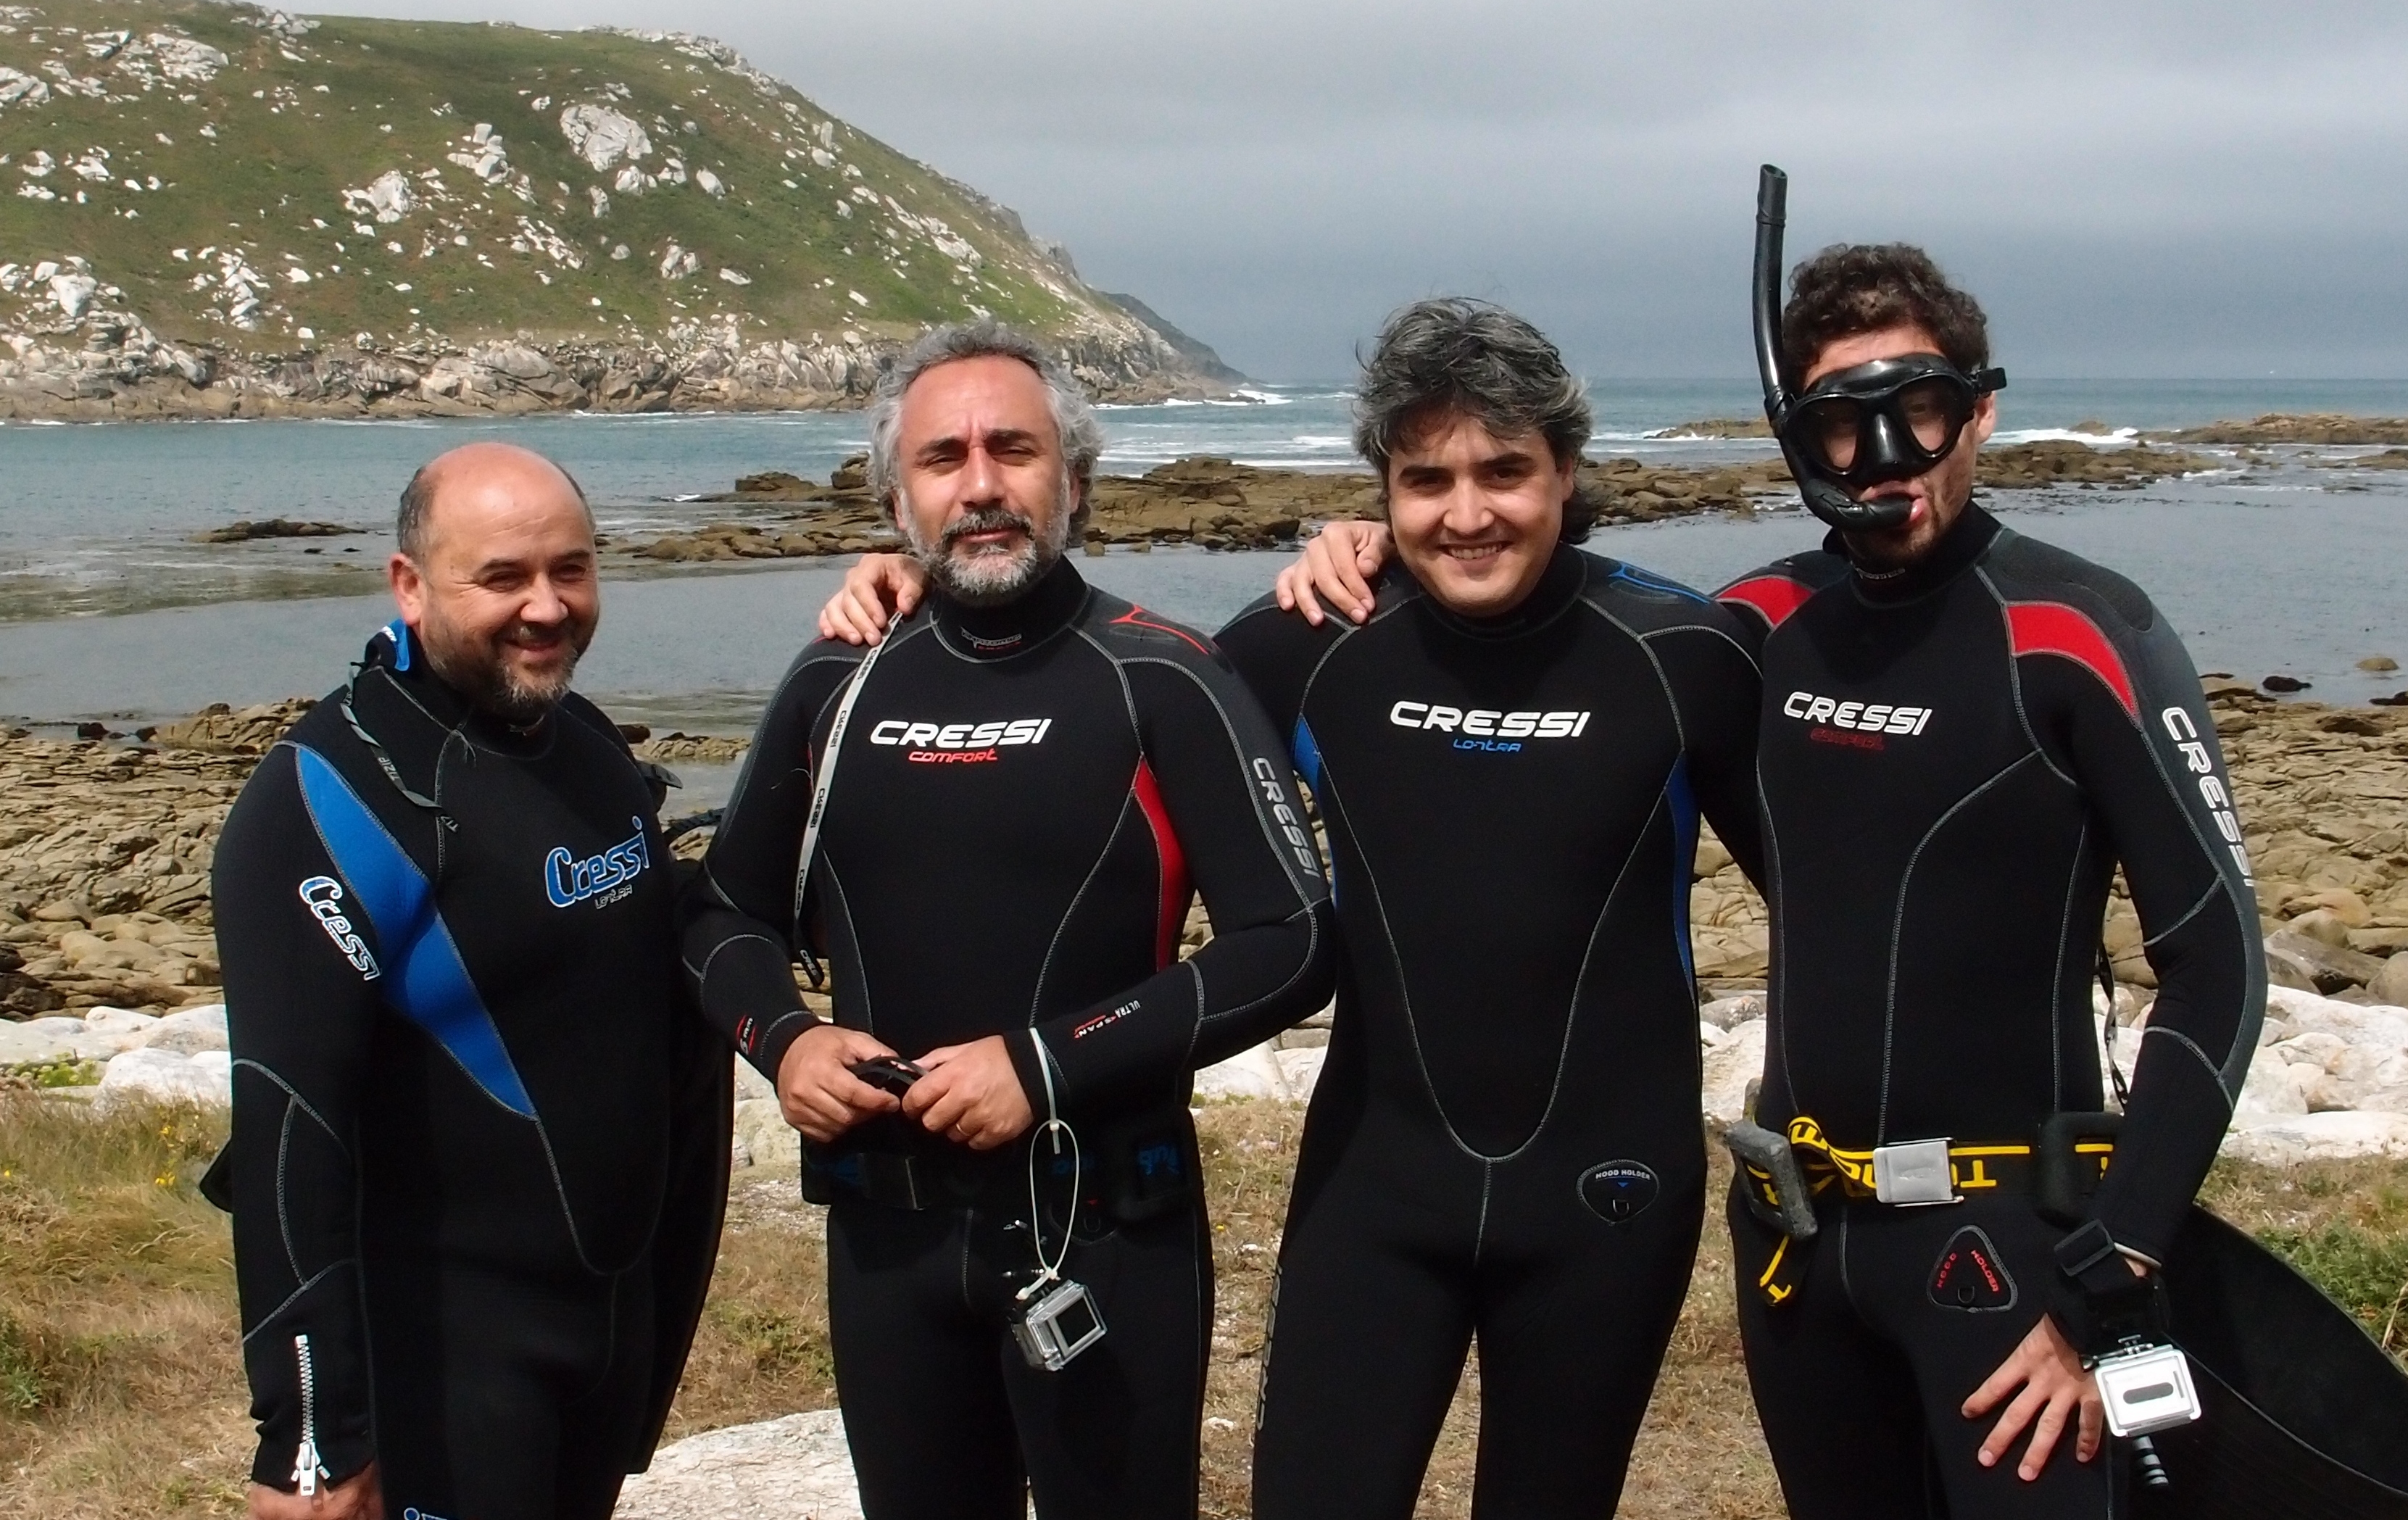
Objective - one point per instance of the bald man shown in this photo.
(480, 1137)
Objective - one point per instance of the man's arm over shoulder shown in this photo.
(1763, 600)
(1719, 695)
(304, 976)
(1225, 801)
(1274, 652)
(739, 916)
(2117, 704)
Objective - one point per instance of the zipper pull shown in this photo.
(307, 1469)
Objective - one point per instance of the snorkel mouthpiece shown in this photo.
(1824, 496)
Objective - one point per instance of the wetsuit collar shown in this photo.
(1559, 585)
(398, 655)
(997, 633)
(1959, 548)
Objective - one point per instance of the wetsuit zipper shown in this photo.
(307, 1467)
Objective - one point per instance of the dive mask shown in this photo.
(1888, 420)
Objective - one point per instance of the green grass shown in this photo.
(402, 95)
(2343, 1225)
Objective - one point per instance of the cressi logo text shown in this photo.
(323, 895)
(1856, 725)
(958, 743)
(2212, 790)
(568, 881)
(1487, 728)
(1269, 780)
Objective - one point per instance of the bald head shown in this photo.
(480, 467)
(496, 573)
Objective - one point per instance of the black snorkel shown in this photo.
(1825, 498)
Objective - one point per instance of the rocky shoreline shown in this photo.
(1217, 504)
(105, 918)
(121, 371)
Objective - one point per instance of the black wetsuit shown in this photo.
(1024, 798)
(479, 1137)
(1954, 760)
(1504, 1140)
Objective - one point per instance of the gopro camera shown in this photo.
(887, 1073)
(2146, 1388)
(1058, 1326)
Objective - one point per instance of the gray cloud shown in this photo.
(2141, 188)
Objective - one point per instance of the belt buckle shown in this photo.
(1915, 1174)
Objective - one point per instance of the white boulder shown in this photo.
(188, 1031)
(762, 1135)
(1729, 1067)
(602, 137)
(797, 1468)
(164, 1077)
(2320, 1136)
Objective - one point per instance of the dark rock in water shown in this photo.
(2397, 700)
(92, 730)
(1717, 427)
(2285, 684)
(776, 484)
(2378, 664)
(2292, 427)
(635, 733)
(273, 527)
(2093, 426)
(853, 475)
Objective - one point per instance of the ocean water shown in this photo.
(107, 609)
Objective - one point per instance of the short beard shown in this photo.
(992, 577)
(490, 684)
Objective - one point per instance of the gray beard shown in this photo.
(492, 686)
(992, 578)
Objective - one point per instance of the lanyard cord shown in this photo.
(826, 780)
(1055, 1126)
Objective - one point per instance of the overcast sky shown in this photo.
(2140, 188)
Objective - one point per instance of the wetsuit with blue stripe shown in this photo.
(1504, 1144)
(479, 1135)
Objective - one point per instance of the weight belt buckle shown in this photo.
(1915, 1174)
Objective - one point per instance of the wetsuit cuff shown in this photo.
(768, 1050)
(1028, 1063)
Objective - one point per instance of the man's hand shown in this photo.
(359, 1496)
(877, 585)
(816, 1092)
(972, 1095)
(2055, 1387)
(1337, 563)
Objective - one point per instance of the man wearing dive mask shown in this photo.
(1965, 733)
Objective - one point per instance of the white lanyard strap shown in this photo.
(825, 779)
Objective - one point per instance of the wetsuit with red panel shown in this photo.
(1026, 799)
(1954, 759)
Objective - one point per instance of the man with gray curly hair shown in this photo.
(994, 551)
(1037, 779)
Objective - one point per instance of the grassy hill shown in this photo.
(243, 188)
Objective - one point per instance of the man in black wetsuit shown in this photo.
(1511, 758)
(1005, 808)
(1964, 733)
(480, 1139)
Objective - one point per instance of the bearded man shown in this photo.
(993, 824)
(480, 1140)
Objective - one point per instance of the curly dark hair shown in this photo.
(1454, 355)
(1853, 288)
